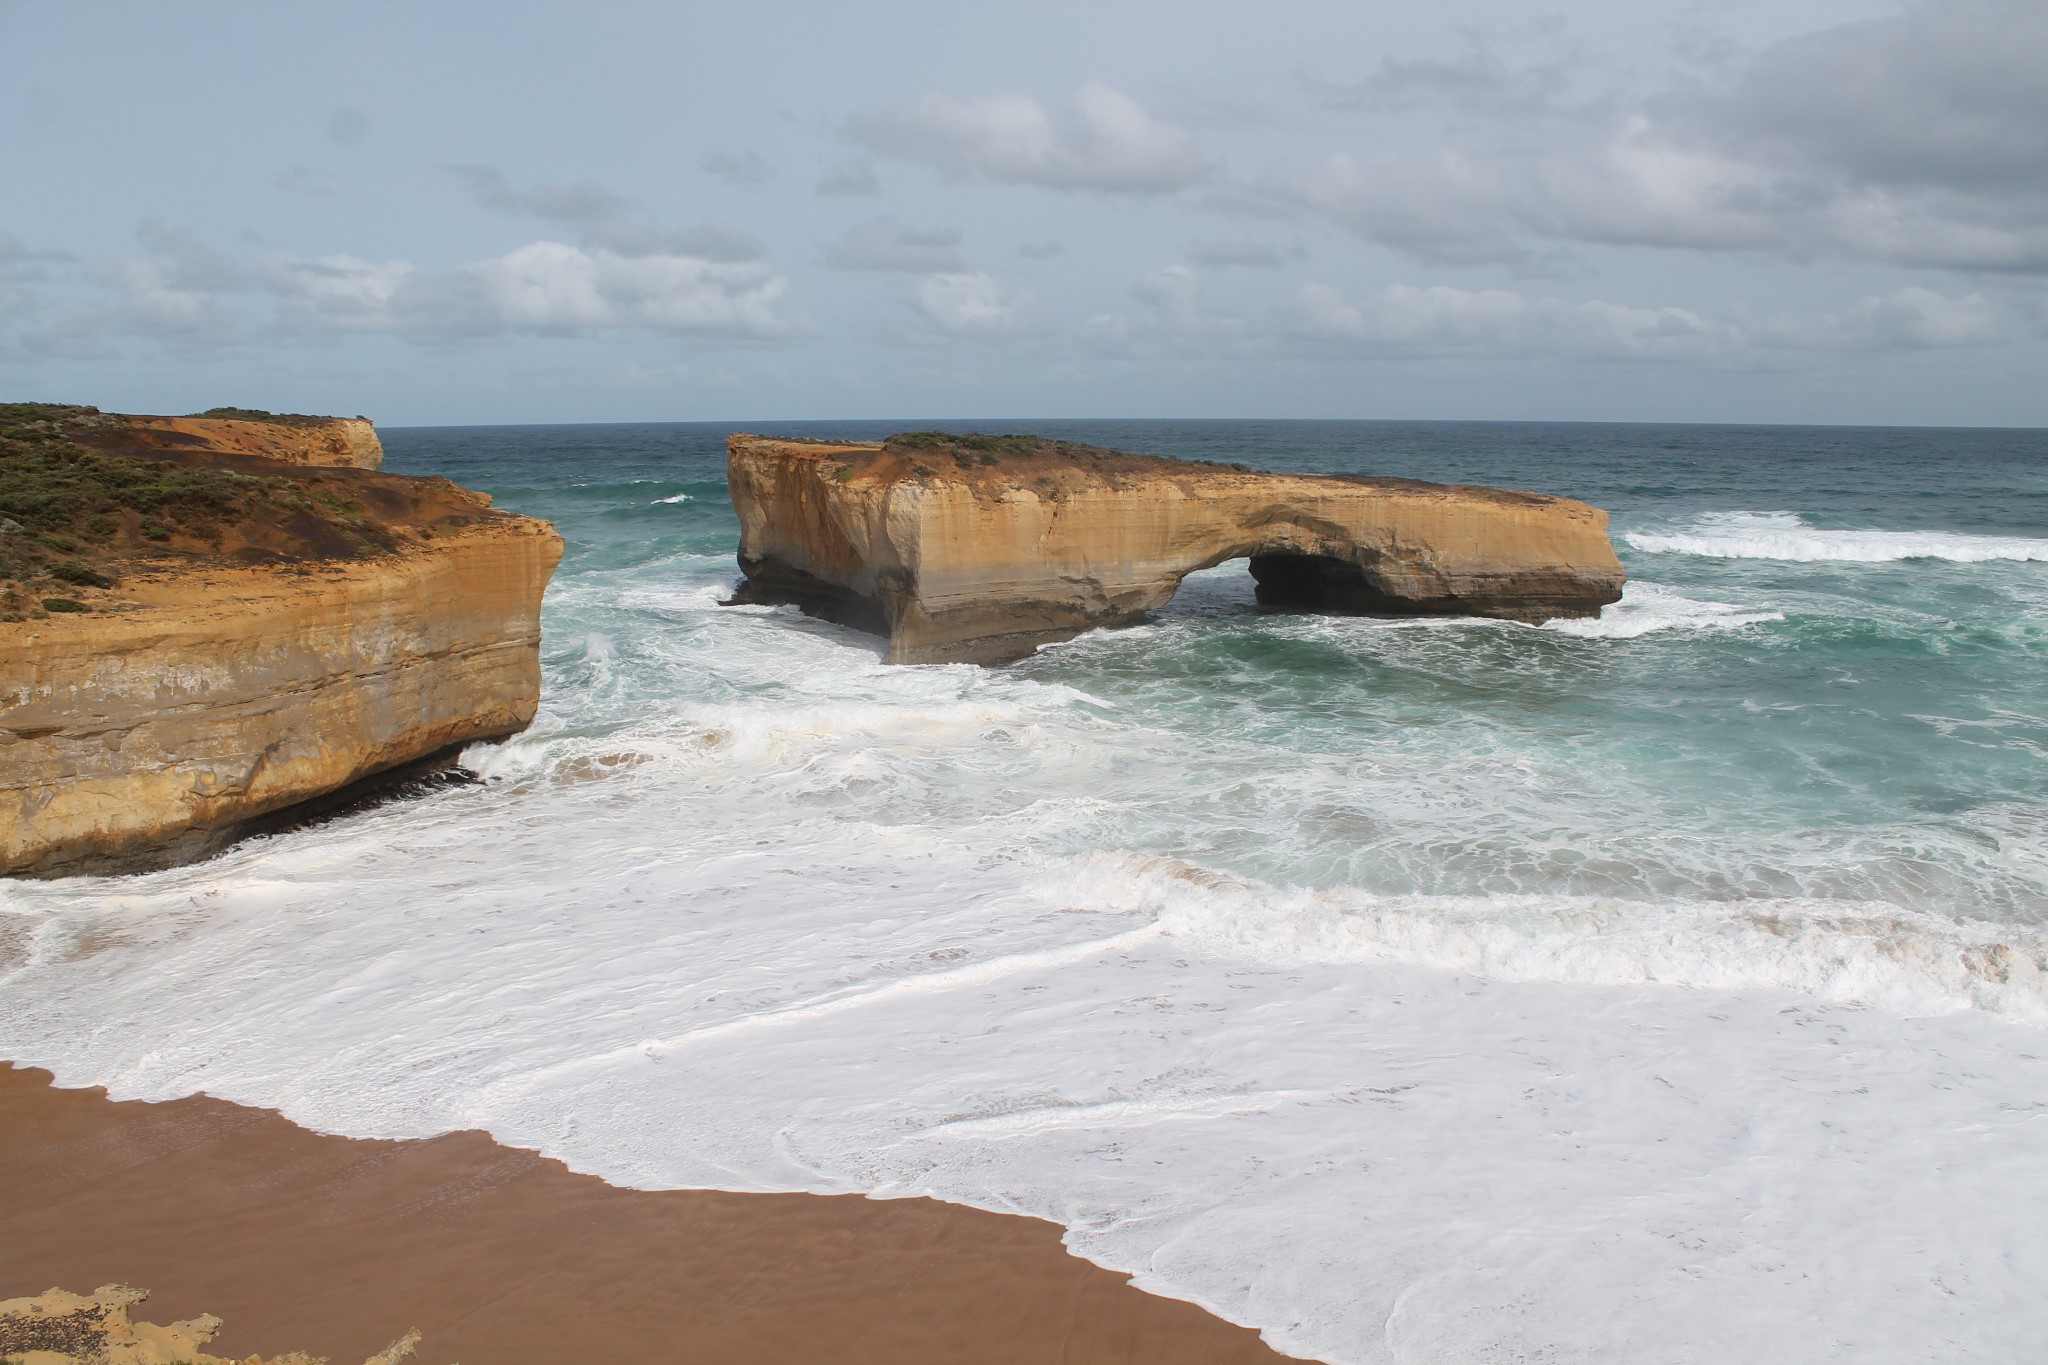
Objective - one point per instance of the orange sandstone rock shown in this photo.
(211, 688)
(340, 441)
(981, 549)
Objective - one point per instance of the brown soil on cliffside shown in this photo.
(89, 500)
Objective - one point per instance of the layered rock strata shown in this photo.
(181, 701)
(980, 549)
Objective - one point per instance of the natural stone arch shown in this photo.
(980, 549)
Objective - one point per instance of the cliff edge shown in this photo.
(196, 640)
(981, 548)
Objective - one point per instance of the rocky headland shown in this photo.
(207, 624)
(980, 548)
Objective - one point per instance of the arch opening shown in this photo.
(1323, 584)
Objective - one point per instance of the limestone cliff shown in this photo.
(980, 548)
(283, 633)
(286, 438)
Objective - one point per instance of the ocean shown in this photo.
(1661, 988)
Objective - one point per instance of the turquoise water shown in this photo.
(1823, 720)
(1665, 989)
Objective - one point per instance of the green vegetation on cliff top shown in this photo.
(79, 516)
(972, 448)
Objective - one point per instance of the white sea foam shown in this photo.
(1646, 608)
(1258, 1099)
(748, 909)
(677, 497)
(1864, 953)
(1789, 536)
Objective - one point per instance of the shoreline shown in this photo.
(334, 1245)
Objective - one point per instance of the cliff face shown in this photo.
(334, 625)
(981, 549)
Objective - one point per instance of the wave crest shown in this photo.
(1789, 536)
(1850, 952)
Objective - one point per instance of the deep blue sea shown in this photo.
(1666, 987)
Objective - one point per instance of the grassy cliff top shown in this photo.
(980, 449)
(78, 513)
(277, 419)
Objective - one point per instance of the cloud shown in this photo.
(16, 253)
(1944, 95)
(1912, 318)
(177, 289)
(1041, 251)
(1919, 138)
(972, 304)
(1440, 319)
(854, 176)
(604, 219)
(1241, 253)
(1446, 208)
(1104, 141)
(885, 244)
(745, 170)
(543, 287)
(1170, 296)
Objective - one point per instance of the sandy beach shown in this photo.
(336, 1246)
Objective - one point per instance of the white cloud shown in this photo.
(1908, 319)
(542, 287)
(1105, 141)
(1446, 207)
(972, 304)
(1440, 319)
(179, 289)
(886, 244)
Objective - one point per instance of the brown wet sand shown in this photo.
(337, 1245)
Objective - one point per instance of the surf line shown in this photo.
(859, 997)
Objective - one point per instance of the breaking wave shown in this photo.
(1789, 536)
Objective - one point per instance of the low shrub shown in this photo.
(281, 419)
(79, 574)
(63, 604)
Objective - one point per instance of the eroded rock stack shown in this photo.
(196, 639)
(980, 548)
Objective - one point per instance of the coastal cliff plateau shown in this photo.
(226, 637)
(288, 438)
(981, 548)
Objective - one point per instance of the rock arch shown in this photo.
(980, 549)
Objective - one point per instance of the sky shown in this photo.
(1829, 211)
